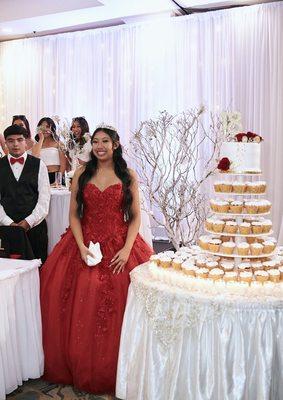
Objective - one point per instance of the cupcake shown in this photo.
(245, 266)
(262, 186)
(201, 262)
(246, 276)
(251, 207)
(256, 227)
(243, 249)
(264, 206)
(256, 249)
(204, 242)
(267, 265)
(239, 187)
(274, 275)
(214, 245)
(223, 206)
(280, 269)
(227, 247)
(231, 227)
(202, 273)
(236, 207)
(266, 226)
(176, 263)
(227, 266)
(230, 276)
(251, 240)
(261, 276)
(216, 273)
(218, 186)
(225, 238)
(256, 266)
(214, 205)
(155, 259)
(209, 224)
(189, 268)
(218, 225)
(165, 262)
(226, 187)
(268, 247)
(211, 264)
(245, 228)
(253, 187)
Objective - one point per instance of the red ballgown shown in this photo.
(82, 307)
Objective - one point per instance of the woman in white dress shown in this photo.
(80, 146)
(48, 149)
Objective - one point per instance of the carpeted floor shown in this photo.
(37, 389)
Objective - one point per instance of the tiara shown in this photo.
(103, 125)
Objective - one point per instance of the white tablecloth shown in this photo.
(180, 345)
(58, 218)
(21, 353)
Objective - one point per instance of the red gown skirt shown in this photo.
(82, 307)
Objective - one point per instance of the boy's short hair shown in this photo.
(15, 130)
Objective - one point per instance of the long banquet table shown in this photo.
(187, 344)
(21, 353)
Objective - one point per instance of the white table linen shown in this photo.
(179, 344)
(21, 352)
(58, 218)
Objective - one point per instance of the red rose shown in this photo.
(240, 136)
(224, 164)
(251, 135)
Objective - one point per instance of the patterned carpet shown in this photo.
(37, 389)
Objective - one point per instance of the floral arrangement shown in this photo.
(248, 137)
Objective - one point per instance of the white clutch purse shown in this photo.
(95, 250)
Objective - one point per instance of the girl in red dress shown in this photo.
(82, 306)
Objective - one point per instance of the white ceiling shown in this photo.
(30, 18)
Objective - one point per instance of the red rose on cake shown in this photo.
(248, 137)
(224, 164)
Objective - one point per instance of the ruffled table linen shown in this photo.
(21, 353)
(185, 344)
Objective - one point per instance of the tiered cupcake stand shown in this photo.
(238, 238)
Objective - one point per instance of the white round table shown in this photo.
(181, 344)
(21, 353)
(58, 218)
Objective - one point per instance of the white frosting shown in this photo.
(274, 272)
(244, 157)
(216, 271)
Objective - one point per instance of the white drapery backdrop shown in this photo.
(229, 59)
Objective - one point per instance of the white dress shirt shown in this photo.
(40, 211)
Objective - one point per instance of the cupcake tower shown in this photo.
(238, 227)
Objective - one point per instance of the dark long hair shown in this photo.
(25, 121)
(83, 125)
(51, 125)
(120, 169)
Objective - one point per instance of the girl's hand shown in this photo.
(119, 261)
(85, 252)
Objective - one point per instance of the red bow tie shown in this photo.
(20, 160)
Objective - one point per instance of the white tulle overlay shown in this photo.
(21, 354)
(181, 344)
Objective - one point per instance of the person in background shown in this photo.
(24, 191)
(21, 120)
(47, 148)
(80, 153)
(83, 306)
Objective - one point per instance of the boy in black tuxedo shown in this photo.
(24, 191)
